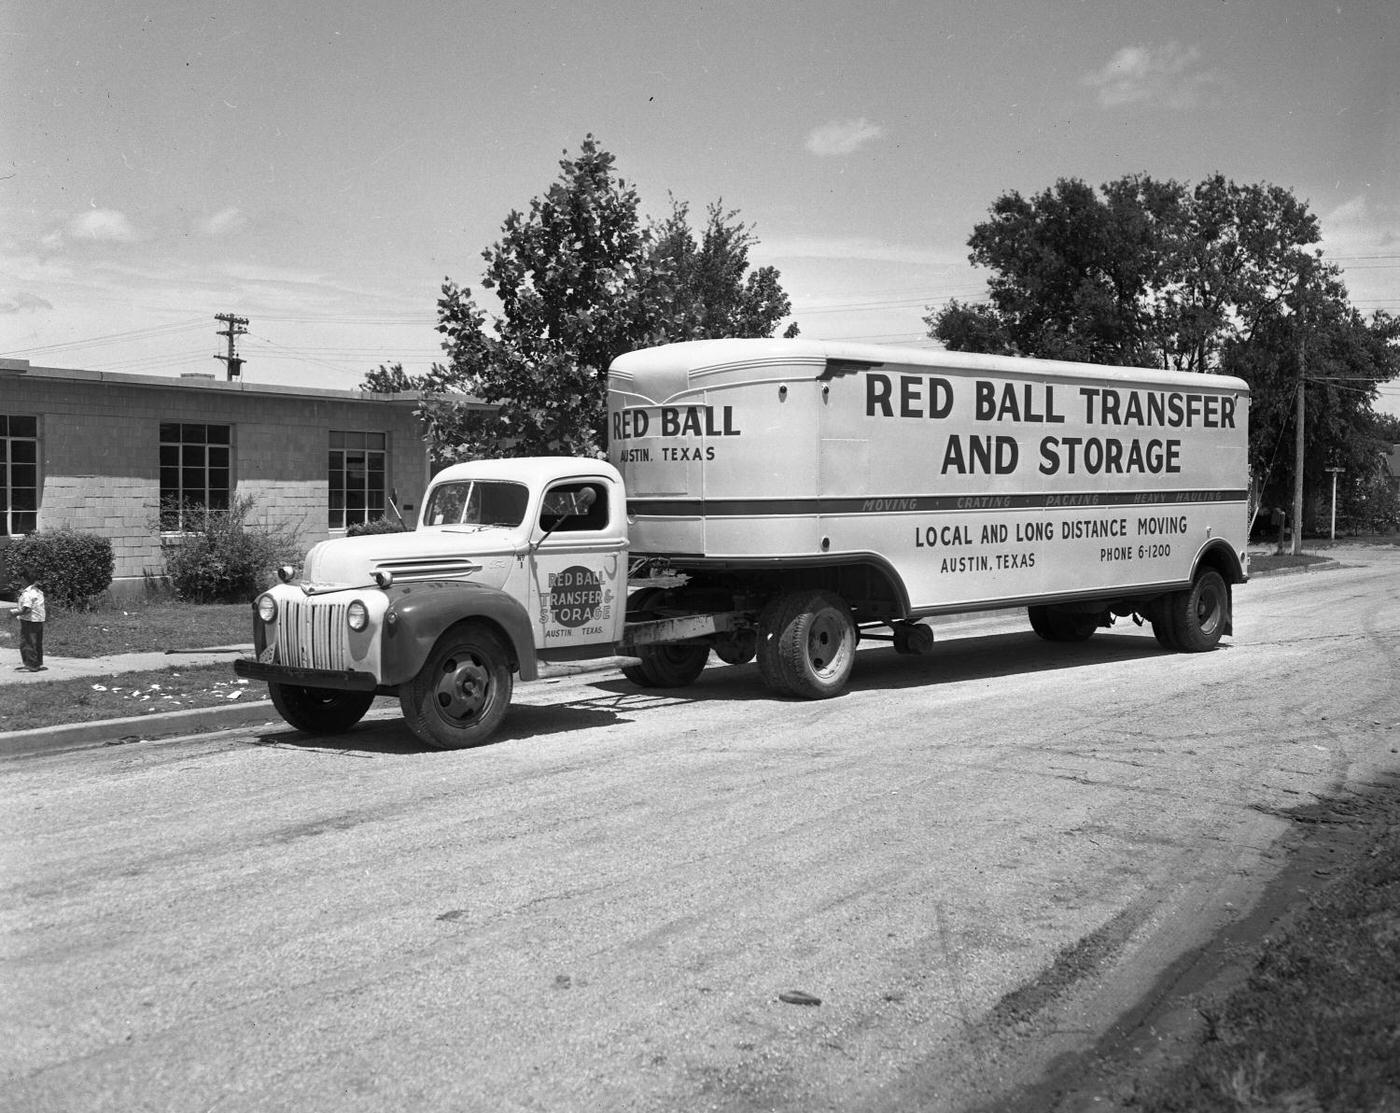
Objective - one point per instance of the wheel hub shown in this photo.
(462, 688)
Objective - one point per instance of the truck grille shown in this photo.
(313, 635)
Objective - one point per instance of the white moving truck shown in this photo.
(797, 495)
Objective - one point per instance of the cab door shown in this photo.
(578, 565)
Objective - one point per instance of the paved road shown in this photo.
(973, 859)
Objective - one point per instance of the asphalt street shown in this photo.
(975, 861)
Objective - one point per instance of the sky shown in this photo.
(321, 167)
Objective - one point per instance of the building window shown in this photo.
(356, 478)
(19, 474)
(195, 472)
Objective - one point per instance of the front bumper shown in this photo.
(341, 680)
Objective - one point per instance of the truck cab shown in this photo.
(512, 562)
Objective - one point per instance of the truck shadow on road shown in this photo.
(393, 738)
(611, 700)
(955, 661)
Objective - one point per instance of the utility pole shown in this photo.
(1300, 317)
(237, 326)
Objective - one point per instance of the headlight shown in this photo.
(267, 608)
(285, 573)
(357, 616)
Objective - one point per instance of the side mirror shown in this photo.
(583, 502)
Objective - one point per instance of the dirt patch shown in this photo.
(1292, 1007)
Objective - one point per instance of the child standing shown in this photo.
(31, 614)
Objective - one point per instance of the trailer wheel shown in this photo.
(667, 666)
(461, 694)
(1200, 614)
(809, 644)
(1161, 619)
(1061, 626)
(319, 710)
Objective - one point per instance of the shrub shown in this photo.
(221, 557)
(73, 567)
(375, 525)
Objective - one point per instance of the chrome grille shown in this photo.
(312, 635)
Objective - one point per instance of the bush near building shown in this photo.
(73, 567)
(223, 557)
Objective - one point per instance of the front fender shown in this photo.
(419, 613)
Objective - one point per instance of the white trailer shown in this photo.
(795, 496)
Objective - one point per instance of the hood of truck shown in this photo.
(483, 554)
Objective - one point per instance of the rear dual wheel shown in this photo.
(1062, 626)
(667, 665)
(807, 644)
(1194, 620)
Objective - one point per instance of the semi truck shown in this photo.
(780, 500)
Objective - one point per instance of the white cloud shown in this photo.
(842, 137)
(225, 222)
(1168, 75)
(1362, 237)
(18, 302)
(102, 224)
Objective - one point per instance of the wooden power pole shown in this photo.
(237, 326)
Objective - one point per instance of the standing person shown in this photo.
(31, 614)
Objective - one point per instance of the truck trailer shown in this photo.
(780, 500)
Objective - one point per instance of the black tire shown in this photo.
(319, 710)
(1061, 626)
(770, 668)
(1199, 616)
(667, 666)
(662, 666)
(1162, 628)
(461, 694)
(811, 644)
(1040, 622)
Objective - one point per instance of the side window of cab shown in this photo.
(575, 508)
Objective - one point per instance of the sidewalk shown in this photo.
(68, 668)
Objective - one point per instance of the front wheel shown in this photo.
(319, 710)
(461, 694)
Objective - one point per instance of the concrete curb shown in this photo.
(1322, 566)
(198, 720)
(135, 728)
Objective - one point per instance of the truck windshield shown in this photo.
(477, 502)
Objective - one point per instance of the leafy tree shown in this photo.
(390, 379)
(580, 280)
(1217, 277)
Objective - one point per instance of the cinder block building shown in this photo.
(131, 456)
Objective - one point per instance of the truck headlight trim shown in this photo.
(357, 616)
(267, 608)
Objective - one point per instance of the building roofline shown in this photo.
(198, 381)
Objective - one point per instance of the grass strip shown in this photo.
(1317, 1024)
(87, 699)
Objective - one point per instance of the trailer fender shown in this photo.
(420, 613)
(1219, 556)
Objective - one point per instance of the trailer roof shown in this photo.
(693, 357)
